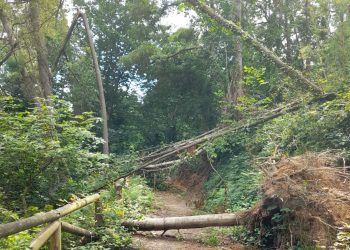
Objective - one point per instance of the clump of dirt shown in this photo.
(304, 200)
(191, 181)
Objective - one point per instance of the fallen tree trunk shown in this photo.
(174, 146)
(236, 28)
(223, 131)
(172, 151)
(199, 221)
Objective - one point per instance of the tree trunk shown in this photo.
(235, 88)
(24, 199)
(307, 66)
(287, 69)
(28, 84)
(99, 84)
(40, 48)
(199, 221)
(28, 81)
(287, 31)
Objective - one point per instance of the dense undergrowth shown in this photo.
(135, 200)
(53, 154)
(49, 157)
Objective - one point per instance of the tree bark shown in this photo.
(99, 84)
(40, 49)
(287, 69)
(307, 27)
(287, 31)
(235, 88)
(199, 221)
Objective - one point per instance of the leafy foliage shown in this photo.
(234, 186)
(136, 199)
(46, 152)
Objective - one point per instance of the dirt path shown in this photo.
(172, 204)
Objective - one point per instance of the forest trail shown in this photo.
(173, 204)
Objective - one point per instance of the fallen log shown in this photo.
(185, 222)
(161, 165)
(171, 151)
(175, 146)
(223, 131)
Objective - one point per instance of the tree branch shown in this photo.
(8, 54)
(66, 40)
(13, 44)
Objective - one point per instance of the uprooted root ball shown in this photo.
(305, 200)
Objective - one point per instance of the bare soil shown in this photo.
(174, 204)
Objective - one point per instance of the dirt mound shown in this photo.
(190, 180)
(305, 200)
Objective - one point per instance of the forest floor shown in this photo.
(172, 203)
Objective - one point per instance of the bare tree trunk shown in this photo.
(235, 88)
(28, 88)
(99, 84)
(287, 69)
(287, 30)
(199, 221)
(7, 28)
(24, 198)
(307, 34)
(40, 48)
